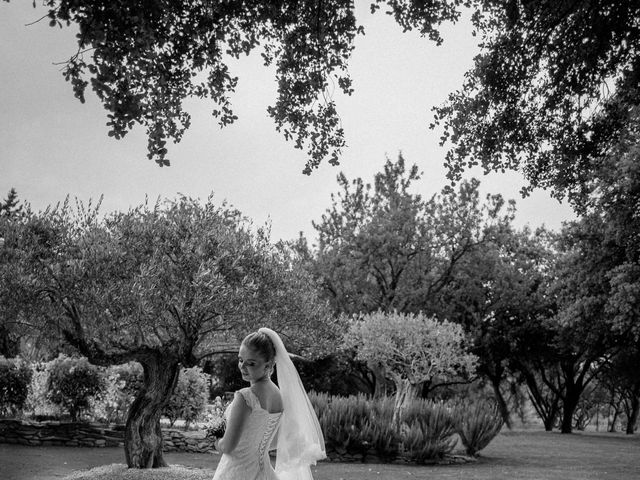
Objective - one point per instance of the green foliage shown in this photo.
(427, 430)
(411, 347)
(357, 424)
(336, 374)
(554, 86)
(144, 60)
(123, 382)
(477, 423)
(72, 384)
(38, 403)
(343, 421)
(189, 398)
(15, 377)
(9, 207)
(383, 247)
(225, 374)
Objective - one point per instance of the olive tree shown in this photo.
(413, 349)
(164, 285)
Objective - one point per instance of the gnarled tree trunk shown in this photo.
(406, 392)
(496, 380)
(143, 436)
(632, 419)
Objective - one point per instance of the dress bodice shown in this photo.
(250, 459)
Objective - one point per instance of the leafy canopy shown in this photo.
(181, 279)
(555, 83)
(143, 59)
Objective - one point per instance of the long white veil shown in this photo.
(300, 439)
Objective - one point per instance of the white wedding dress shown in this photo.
(250, 459)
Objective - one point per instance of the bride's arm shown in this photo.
(238, 415)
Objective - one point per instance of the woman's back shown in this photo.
(249, 460)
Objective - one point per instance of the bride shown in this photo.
(263, 414)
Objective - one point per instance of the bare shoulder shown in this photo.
(276, 400)
(269, 397)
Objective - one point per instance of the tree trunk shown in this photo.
(632, 420)
(568, 408)
(406, 392)
(502, 404)
(380, 389)
(143, 436)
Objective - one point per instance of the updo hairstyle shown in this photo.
(262, 344)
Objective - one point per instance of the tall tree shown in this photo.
(166, 286)
(498, 291)
(10, 211)
(383, 247)
(583, 337)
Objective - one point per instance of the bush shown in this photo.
(38, 403)
(428, 430)
(344, 422)
(122, 384)
(73, 383)
(189, 398)
(477, 423)
(357, 423)
(15, 377)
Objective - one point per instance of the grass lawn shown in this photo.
(525, 455)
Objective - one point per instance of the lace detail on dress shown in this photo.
(272, 424)
(249, 397)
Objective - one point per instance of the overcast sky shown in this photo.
(51, 145)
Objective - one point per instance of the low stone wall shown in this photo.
(74, 434)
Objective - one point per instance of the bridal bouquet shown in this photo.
(215, 423)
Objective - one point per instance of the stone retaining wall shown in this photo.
(74, 434)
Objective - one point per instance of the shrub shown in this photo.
(428, 430)
(15, 377)
(189, 398)
(356, 424)
(344, 422)
(122, 383)
(477, 423)
(72, 383)
(38, 403)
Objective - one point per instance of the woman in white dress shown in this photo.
(263, 414)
